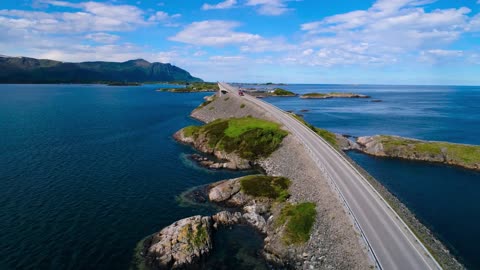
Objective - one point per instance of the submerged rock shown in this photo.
(181, 244)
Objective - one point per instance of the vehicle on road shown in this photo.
(240, 93)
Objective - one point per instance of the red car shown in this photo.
(240, 92)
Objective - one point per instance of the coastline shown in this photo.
(427, 237)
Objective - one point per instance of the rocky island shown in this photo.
(332, 95)
(461, 155)
(192, 88)
(277, 92)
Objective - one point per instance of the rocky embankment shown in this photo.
(334, 243)
(462, 155)
(332, 95)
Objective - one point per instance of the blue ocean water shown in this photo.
(87, 171)
(446, 199)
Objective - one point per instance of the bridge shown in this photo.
(391, 244)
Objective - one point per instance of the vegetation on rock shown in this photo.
(266, 186)
(195, 87)
(282, 92)
(298, 220)
(250, 138)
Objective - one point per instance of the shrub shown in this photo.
(266, 186)
(282, 92)
(299, 221)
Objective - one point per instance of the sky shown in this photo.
(290, 41)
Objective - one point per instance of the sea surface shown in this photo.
(446, 199)
(87, 171)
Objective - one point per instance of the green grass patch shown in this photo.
(266, 186)
(328, 136)
(299, 219)
(238, 126)
(251, 138)
(227, 98)
(190, 131)
(282, 92)
(242, 106)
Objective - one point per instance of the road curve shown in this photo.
(391, 243)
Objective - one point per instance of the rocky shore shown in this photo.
(185, 243)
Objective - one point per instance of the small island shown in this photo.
(280, 92)
(277, 92)
(332, 95)
(461, 155)
(193, 88)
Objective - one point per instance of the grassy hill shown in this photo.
(31, 70)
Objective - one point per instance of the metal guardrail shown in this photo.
(336, 188)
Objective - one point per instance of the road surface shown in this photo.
(391, 243)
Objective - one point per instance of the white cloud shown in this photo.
(439, 56)
(222, 5)
(86, 17)
(214, 33)
(161, 16)
(68, 35)
(92, 17)
(269, 7)
(388, 31)
(102, 37)
(219, 33)
(221, 58)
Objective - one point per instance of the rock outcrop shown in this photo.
(231, 161)
(466, 156)
(179, 245)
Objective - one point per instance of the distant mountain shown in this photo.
(31, 70)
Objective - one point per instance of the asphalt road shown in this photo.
(391, 243)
